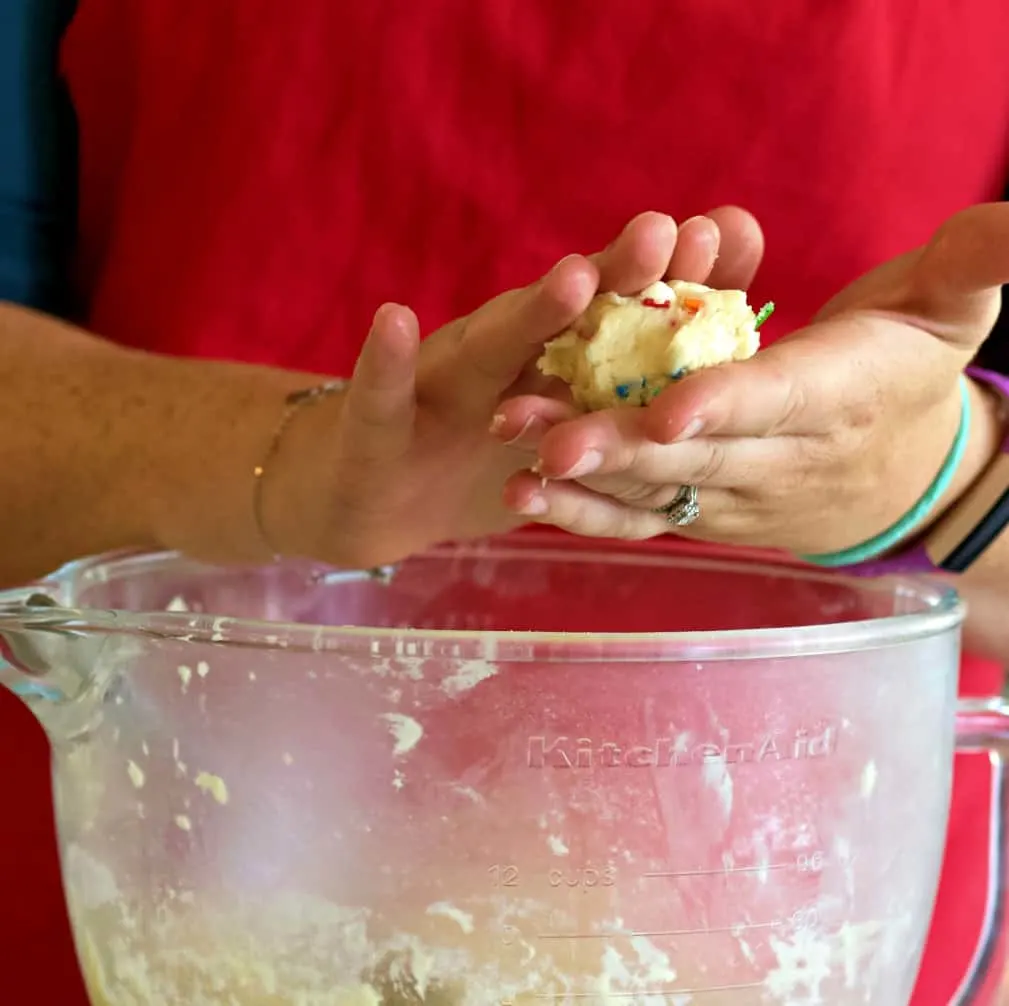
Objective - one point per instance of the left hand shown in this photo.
(819, 442)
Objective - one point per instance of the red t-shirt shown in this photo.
(257, 177)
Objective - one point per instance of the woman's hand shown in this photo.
(409, 460)
(819, 442)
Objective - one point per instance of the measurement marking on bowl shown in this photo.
(551, 996)
(735, 930)
(724, 871)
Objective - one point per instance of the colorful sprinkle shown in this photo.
(623, 390)
(661, 304)
(677, 374)
(764, 313)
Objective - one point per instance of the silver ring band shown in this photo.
(684, 509)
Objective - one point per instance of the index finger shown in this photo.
(500, 339)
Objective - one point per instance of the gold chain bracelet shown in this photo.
(293, 404)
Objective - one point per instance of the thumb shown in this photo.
(759, 397)
(376, 422)
(957, 280)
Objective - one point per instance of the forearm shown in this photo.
(104, 448)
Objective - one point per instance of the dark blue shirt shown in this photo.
(38, 162)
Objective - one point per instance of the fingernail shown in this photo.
(497, 424)
(544, 481)
(535, 506)
(588, 463)
(530, 435)
(690, 430)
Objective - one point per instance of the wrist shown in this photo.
(975, 510)
(294, 479)
(962, 464)
(211, 425)
(987, 433)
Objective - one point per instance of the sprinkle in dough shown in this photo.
(625, 350)
(136, 774)
(214, 785)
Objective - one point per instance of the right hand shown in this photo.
(407, 460)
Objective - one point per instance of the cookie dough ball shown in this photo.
(625, 350)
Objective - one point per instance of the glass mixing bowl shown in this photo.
(521, 770)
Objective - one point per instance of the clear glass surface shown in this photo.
(526, 770)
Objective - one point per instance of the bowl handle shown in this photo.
(983, 725)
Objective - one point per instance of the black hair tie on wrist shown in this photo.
(983, 534)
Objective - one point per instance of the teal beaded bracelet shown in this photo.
(913, 519)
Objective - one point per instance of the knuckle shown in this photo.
(573, 514)
(865, 404)
(466, 325)
(712, 464)
(640, 494)
(795, 405)
(370, 420)
(843, 473)
(603, 518)
(790, 396)
(793, 481)
(592, 525)
(636, 525)
(472, 348)
(744, 522)
(807, 459)
(492, 311)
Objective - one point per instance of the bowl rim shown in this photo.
(937, 610)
